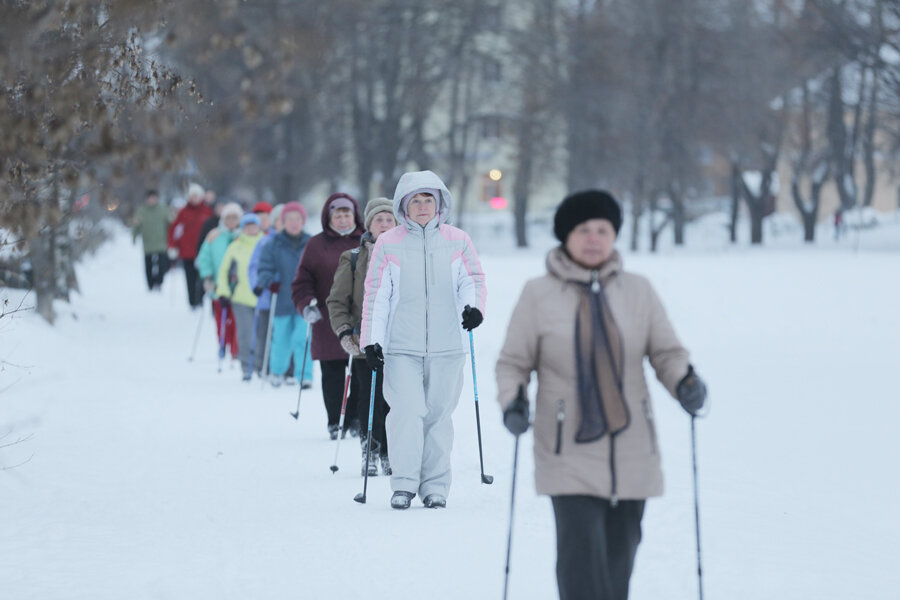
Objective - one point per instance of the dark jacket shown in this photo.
(315, 276)
(278, 261)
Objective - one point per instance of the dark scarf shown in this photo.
(599, 365)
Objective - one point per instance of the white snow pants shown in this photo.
(423, 392)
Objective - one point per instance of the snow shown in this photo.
(151, 477)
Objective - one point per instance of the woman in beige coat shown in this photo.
(585, 327)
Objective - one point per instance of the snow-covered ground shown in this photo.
(149, 477)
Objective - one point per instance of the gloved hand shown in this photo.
(209, 285)
(173, 253)
(515, 417)
(374, 357)
(257, 291)
(274, 287)
(471, 318)
(311, 314)
(225, 302)
(349, 342)
(691, 392)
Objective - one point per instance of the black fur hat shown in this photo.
(582, 206)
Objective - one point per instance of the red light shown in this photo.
(498, 203)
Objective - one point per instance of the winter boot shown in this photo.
(386, 465)
(305, 385)
(401, 500)
(434, 501)
(353, 427)
(333, 431)
(276, 380)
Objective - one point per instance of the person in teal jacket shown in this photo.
(233, 287)
(151, 222)
(209, 259)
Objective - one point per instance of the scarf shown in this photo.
(599, 365)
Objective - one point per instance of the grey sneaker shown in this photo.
(401, 500)
(434, 501)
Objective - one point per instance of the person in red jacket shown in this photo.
(342, 228)
(184, 233)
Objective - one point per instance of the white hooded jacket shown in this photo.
(420, 279)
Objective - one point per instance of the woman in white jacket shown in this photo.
(424, 289)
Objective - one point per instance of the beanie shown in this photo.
(262, 207)
(583, 206)
(232, 208)
(195, 189)
(293, 207)
(249, 218)
(378, 205)
(341, 203)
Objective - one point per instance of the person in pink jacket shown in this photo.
(424, 290)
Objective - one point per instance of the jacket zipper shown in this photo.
(425, 259)
(560, 417)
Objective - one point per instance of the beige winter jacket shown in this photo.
(540, 338)
(349, 288)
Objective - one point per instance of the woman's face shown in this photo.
(383, 221)
(591, 243)
(294, 222)
(265, 220)
(421, 208)
(251, 229)
(341, 219)
(232, 221)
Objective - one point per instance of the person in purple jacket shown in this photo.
(342, 228)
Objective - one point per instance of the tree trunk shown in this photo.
(735, 200)
(42, 253)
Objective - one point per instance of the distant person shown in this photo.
(342, 228)
(425, 291)
(151, 222)
(838, 224)
(212, 222)
(278, 261)
(585, 328)
(263, 294)
(345, 304)
(209, 260)
(263, 210)
(183, 240)
(233, 287)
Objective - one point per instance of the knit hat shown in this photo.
(378, 205)
(582, 206)
(293, 207)
(232, 208)
(249, 218)
(262, 207)
(195, 189)
(340, 203)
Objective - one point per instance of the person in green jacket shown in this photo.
(151, 222)
(209, 259)
(233, 287)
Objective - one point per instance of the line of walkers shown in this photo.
(398, 290)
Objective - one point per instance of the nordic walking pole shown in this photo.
(696, 506)
(302, 374)
(337, 446)
(199, 328)
(253, 339)
(224, 321)
(512, 505)
(265, 367)
(488, 479)
(361, 498)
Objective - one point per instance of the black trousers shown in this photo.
(595, 546)
(362, 376)
(156, 264)
(194, 289)
(333, 391)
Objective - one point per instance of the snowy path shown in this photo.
(156, 478)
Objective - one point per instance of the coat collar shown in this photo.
(562, 267)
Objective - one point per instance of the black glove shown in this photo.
(691, 392)
(258, 290)
(515, 417)
(374, 357)
(471, 318)
(224, 302)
